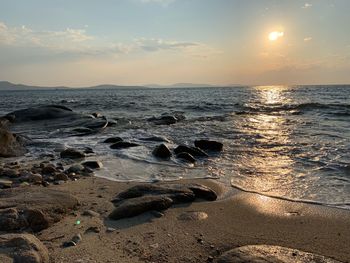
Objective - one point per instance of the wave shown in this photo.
(341, 109)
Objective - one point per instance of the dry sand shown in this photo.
(235, 219)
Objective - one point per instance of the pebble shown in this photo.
(91, 213)
(77, 238)
(110, 229)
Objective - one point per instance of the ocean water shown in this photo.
(290, 142)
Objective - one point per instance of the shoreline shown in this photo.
(239, 220)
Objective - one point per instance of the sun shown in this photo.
(273, 36)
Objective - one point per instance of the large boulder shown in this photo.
(22, 248)
(271, 254)
(10, 144)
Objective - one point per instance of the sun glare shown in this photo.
(273, 36)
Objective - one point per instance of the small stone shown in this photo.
(186, 157)
(11, 173)
(77, 238)
(61, 177)
(90, 213)
(50, 169)
(194, 151)
(5, 183)
(193, 216)
(93, 229)
(208, 145)
(210, 259)
(69, 244)
(110, 229)
(35, 178)
(154, 246)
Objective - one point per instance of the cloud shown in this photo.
(306, 5)
(191, 48)
(77, 42)
(307, 39)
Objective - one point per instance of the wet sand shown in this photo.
(235, 219)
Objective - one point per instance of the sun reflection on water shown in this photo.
(268, 160)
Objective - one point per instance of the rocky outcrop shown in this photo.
(10, 144)
(149, 197)
(271, 254)
(93, 164)
(22, 248)
(161, 151)
(34, 208)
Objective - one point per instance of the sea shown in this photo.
(291, 142)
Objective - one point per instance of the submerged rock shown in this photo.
(271, 254)
(72, 154)
(191, 150)
(24, 248)
(136, 206)
(186, 157)
(123, 145)
(162, 151)
(164, 120)
(93, 164)
(208, 145)
(155, 139)
(113, 140)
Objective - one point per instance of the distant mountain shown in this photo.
(5, 85)
(181, 85)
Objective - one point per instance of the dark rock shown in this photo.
(49, 169)
(177, 193)
(72, 154)
(76, 168)
(271, 254)
(111, 124)
(61, 177)
(10, 145)
(191, 150)
(11, 173)
(92, 164)
(24, 248)
(77, 238)
(164, 120)
(5, 184)
(209, 145)
(123, 145)
(11, 219)
(136, 206)
(113, 140)
(69, 244)
(186, 157)
(36, 219)
(162, 151)
(203, 192)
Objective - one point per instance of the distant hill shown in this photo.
(181, 85)
(5, 85)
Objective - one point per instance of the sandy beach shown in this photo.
(235, 219)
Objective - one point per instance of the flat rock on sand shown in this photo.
(39, 207)
(22, 248)
(271, 254)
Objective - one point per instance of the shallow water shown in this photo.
(291, 142)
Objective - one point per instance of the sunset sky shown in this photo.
(136, 42)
